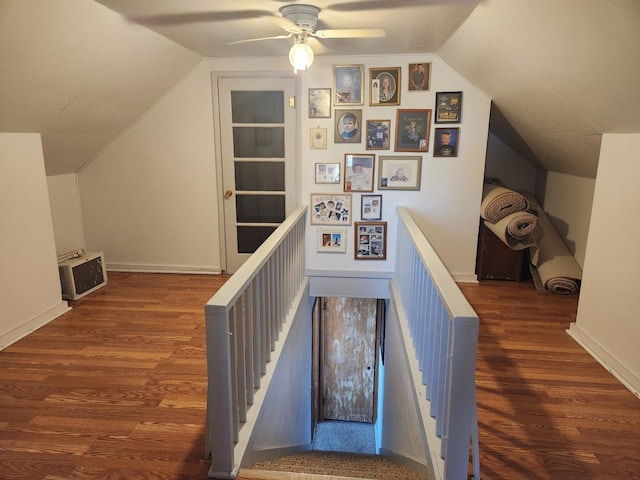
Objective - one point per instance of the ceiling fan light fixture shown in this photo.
(300, 56)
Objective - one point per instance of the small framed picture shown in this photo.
(370, 240)
(358, 172)
(319, 103)
(385, 86)
(378, 134)
(412, 130)
(348, 81)
(317, 138)
(448, 107)
(348, 123)
(445, 143)
(399, 173)
(330, 209)
(332, 240)
(371, 207)
(419, 77)
(327, 173)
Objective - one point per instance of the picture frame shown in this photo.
(319, 103)
(359, 170)
(399, 172)
(317, 138)
(370, 240)
(445, 142)
(348, 83)
(371, 207)
(385, 86)
(328, 173)
(448, 107)
(419, 77)
(378, 134)
(332, 240)
(348, 125)
(330, 209)
(413, 127)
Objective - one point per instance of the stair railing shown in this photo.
(440, 326)
(243, 322)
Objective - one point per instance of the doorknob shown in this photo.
(228, 194)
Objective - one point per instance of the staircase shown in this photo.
(316, 465)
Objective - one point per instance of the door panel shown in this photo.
(349, 359)
(257, 139)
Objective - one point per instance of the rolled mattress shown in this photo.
(498, 202)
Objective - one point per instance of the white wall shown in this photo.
(448, 203)
(567, 202)
(66, 213)
(30, 294)
(607, 321)
(149, 200)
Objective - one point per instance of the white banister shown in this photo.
(243, 322)
(441, 327)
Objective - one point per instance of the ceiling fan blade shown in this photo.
(248, 40)
(317, 47)
(351, 33)
(198, 17)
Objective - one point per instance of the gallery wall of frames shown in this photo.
(389, 120)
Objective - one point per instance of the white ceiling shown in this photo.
(560, 73)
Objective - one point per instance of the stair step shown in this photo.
(332, 465)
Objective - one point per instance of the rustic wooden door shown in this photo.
(348, 359)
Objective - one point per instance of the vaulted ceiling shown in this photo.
(560, 73)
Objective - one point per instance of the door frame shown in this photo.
(219, 186)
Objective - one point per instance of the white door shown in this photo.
(257, 138)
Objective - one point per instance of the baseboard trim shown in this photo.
(32, 325)
(611, 364)
(149, 268)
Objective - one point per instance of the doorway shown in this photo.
(257, 145)
(346, 351)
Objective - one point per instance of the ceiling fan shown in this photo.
(300, 22)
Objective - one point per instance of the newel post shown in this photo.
(219, 440)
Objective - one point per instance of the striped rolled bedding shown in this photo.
(498, 202)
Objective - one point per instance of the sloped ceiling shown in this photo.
(561, 73)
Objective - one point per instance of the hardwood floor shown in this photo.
(546, 408)
(115, 388)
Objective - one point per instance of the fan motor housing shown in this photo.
(304, 16)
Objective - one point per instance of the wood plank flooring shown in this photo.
(546, 408)
(115, 388)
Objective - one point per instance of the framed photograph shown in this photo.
(317, 138)
(332, 240)
(370, 241)
(445, 143)
(419, 77)
(412, 130)
(348, 82)
(378, 134)
(385, 86)
(319, 103)
(358, 172)
(371, 207)
(399, 173)
(448, 107)
(348, 126)
(330, 209)
(327, 173)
